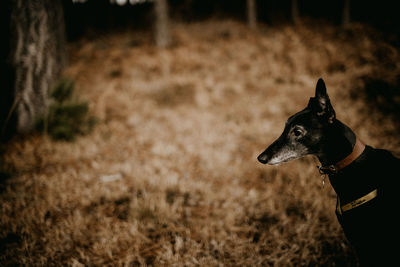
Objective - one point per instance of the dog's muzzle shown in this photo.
(263, 158)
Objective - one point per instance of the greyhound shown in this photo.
(365, 179)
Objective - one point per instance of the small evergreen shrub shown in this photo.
(67, 116)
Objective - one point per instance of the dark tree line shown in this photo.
(36, 33)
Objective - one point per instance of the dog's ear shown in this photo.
(322, 104)
(320, 90)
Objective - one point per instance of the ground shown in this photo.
(169, 174)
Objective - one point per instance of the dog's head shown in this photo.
(304, 131)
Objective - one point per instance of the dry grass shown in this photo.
(169, 176)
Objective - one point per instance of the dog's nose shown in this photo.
(262, 158)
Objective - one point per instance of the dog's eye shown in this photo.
(297, 132)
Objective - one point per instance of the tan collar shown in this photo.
(357, 151)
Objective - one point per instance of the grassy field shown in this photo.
(169, 175)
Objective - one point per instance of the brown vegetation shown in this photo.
(169, 175)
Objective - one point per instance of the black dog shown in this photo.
(365, 179)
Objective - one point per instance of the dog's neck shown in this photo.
(338, 142)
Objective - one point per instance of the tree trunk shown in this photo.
(295, 12)
(162, 23)
(252, 14)
(37, 56)
(346, 13)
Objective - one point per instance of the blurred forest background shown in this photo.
(130, 128)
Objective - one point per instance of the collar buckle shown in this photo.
(327, 170)
(358, 149)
